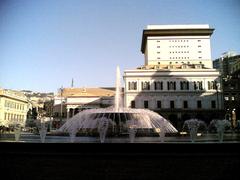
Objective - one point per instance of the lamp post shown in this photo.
(227, 115)
(233, 119)
(216, 87)
(61, 92)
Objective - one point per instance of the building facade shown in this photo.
(13, 108)
(225, 64)
(70, 101)
(229, 66)
(177, 79)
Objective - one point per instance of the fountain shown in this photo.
(17, 132)
(193, 125)
(42, 128)
(117, 119)
(161, 131)
(221, 126)
(103, 125)
(72, 134)
(132, 130)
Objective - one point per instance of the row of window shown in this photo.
(180, 57)
(178, 46)
(182, 46)
(200, 62)
(231, 98)
(179, 40)
(172, 52)
(172, 104)
(171, 85)
(177, 58)
(13, 105)
(14, 117)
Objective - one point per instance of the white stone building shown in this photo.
(73, 100)
(177, 79)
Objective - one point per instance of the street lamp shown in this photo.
(227, 115)
(61, 109)
(216, 87)
(233, 118)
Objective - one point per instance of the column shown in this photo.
(67, 113)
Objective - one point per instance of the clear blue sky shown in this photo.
(44, 44)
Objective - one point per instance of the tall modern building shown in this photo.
(177, 79)
(174, 44)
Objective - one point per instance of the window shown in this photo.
(226, 98)
(132, 85)
(133, 105)
(185, 104)
(212, 85)
(198, 85)
(146, 85)
(172, 104)
(199, 104)
(184, 85)
(213, 104)
(158, 85)
(145, 104)
(159, 104)
(171, 85)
